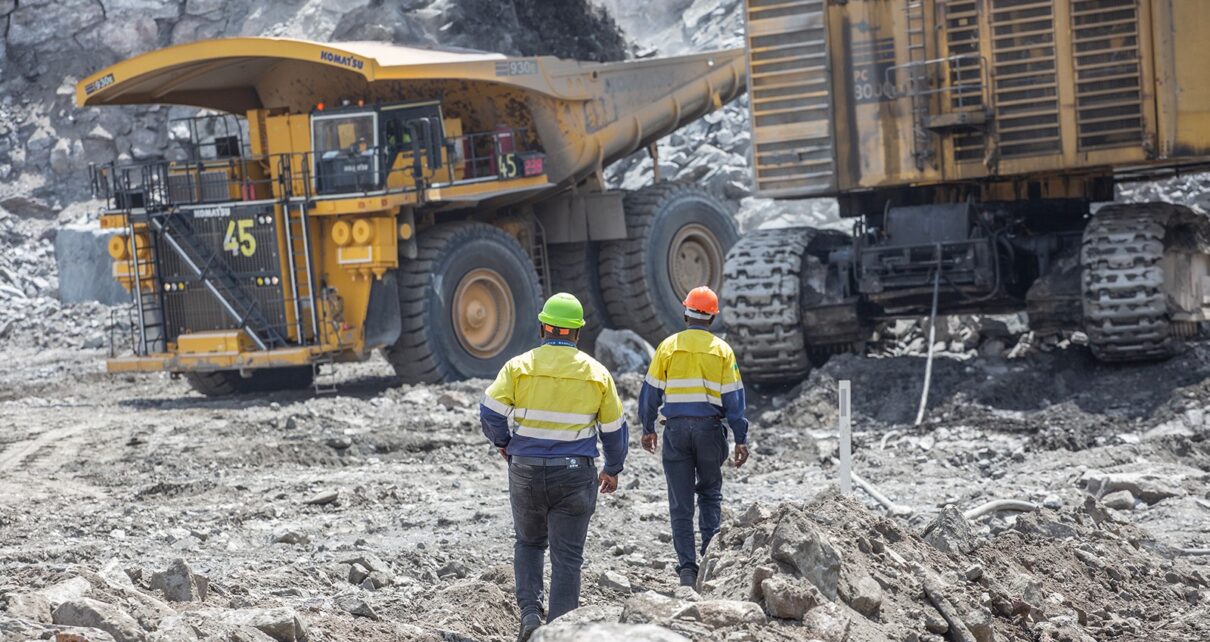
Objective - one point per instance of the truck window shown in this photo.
(348, 134)
(346, 153)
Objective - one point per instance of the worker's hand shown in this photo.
(741, 455)
(503, 453)
(650, 442)
(609, 483)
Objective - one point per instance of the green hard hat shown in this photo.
(562, 311)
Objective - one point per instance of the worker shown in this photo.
(696, 379)
(560, 401)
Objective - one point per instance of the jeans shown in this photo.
(694, 451)
(551, 506)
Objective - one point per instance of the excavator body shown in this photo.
(977, 146)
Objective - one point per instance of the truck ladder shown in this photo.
(148, 307)
(537, 254)
(298, 251)
(216, 277)
(302, 272)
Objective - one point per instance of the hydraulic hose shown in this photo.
(928, 366)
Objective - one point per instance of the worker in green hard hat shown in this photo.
(545, 412)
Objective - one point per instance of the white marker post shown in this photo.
(846, 438)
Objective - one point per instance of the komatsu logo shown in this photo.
(341, 59)
(212, 212)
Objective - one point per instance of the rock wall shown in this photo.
(46, 143)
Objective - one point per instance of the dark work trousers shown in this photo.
(551, 507)
(694, 451)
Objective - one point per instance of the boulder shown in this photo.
(85, 267)
(590, 613)
(797, 543)
(722, 613)
(789, 598)
(281, 624)
(865, 596)
(979, 623)
(29, 606)
(66, 590)
(615, 581)
(649, 606)
(950, 533)
(357, 606)
(1119, 499)
(623, 351)
(605, 632)
(1148, 487)
(90, 613)
(828, 623)
(179, 584)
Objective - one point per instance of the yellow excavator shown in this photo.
(976, 145)
(332, 199)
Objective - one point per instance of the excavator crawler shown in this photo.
(335, 199)
(977, 146)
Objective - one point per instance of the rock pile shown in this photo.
(31, 314)
(830, 570)
(117, 604)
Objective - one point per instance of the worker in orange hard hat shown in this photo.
(695, 378)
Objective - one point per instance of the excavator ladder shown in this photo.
(919, 80)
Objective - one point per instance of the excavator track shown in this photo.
(1126, 312)
(761, 307)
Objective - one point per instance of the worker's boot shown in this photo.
(688, 577)
(529, 624)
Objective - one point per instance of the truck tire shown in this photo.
(469, 302)
(573, 268)
(223, 383)
(762, 304)
(1126, 302)
(678, 236)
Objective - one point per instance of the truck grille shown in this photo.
(789, 89)
(188, 304)
(1025, 82)
(1106, 58)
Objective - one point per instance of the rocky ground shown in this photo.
(133, 506)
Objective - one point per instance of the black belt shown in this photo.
(550, 461)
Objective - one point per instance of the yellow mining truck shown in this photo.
(334, 199)
(977, 145)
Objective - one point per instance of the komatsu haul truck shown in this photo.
(335, 199)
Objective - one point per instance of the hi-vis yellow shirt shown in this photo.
(558, 400)
(694, 374)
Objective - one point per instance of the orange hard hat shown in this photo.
(702, 299)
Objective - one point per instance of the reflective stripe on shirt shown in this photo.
(693, 397)
(499, 407)
(612, 426)
(557, 434)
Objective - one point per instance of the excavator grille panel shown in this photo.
(1024, 73)
(1106, 58)
(789, 90)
